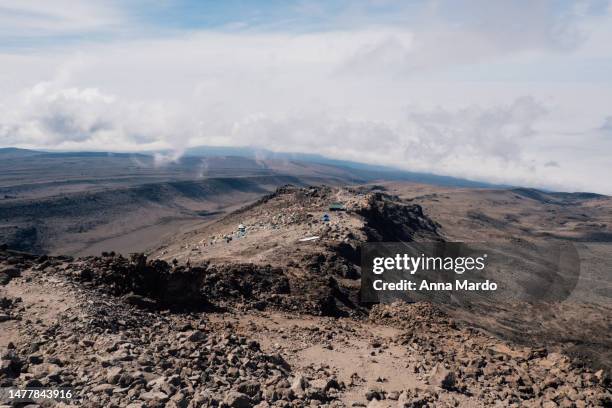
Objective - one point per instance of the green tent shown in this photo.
(337, 207)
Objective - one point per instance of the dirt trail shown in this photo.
(355, 347)
(41, 301)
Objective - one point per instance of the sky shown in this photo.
(515, 92)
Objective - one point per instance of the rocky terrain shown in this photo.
(261, 308)
(286, 230)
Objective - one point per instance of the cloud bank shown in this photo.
(474, 91)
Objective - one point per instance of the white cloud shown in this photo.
(30, 18)
(69, 118)
(471, 142)
(413, 96)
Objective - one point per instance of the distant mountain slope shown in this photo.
(126, 219)
(13, 152)
(555, 197)
(366, 171)
(28, 174)
(193, 156)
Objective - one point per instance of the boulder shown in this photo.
(197, 336)
(250, 388)
(442, 377)
(235, 399)
(154, 396)
(299, 385)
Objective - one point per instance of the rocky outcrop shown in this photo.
(157, 280)
(387, 219)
